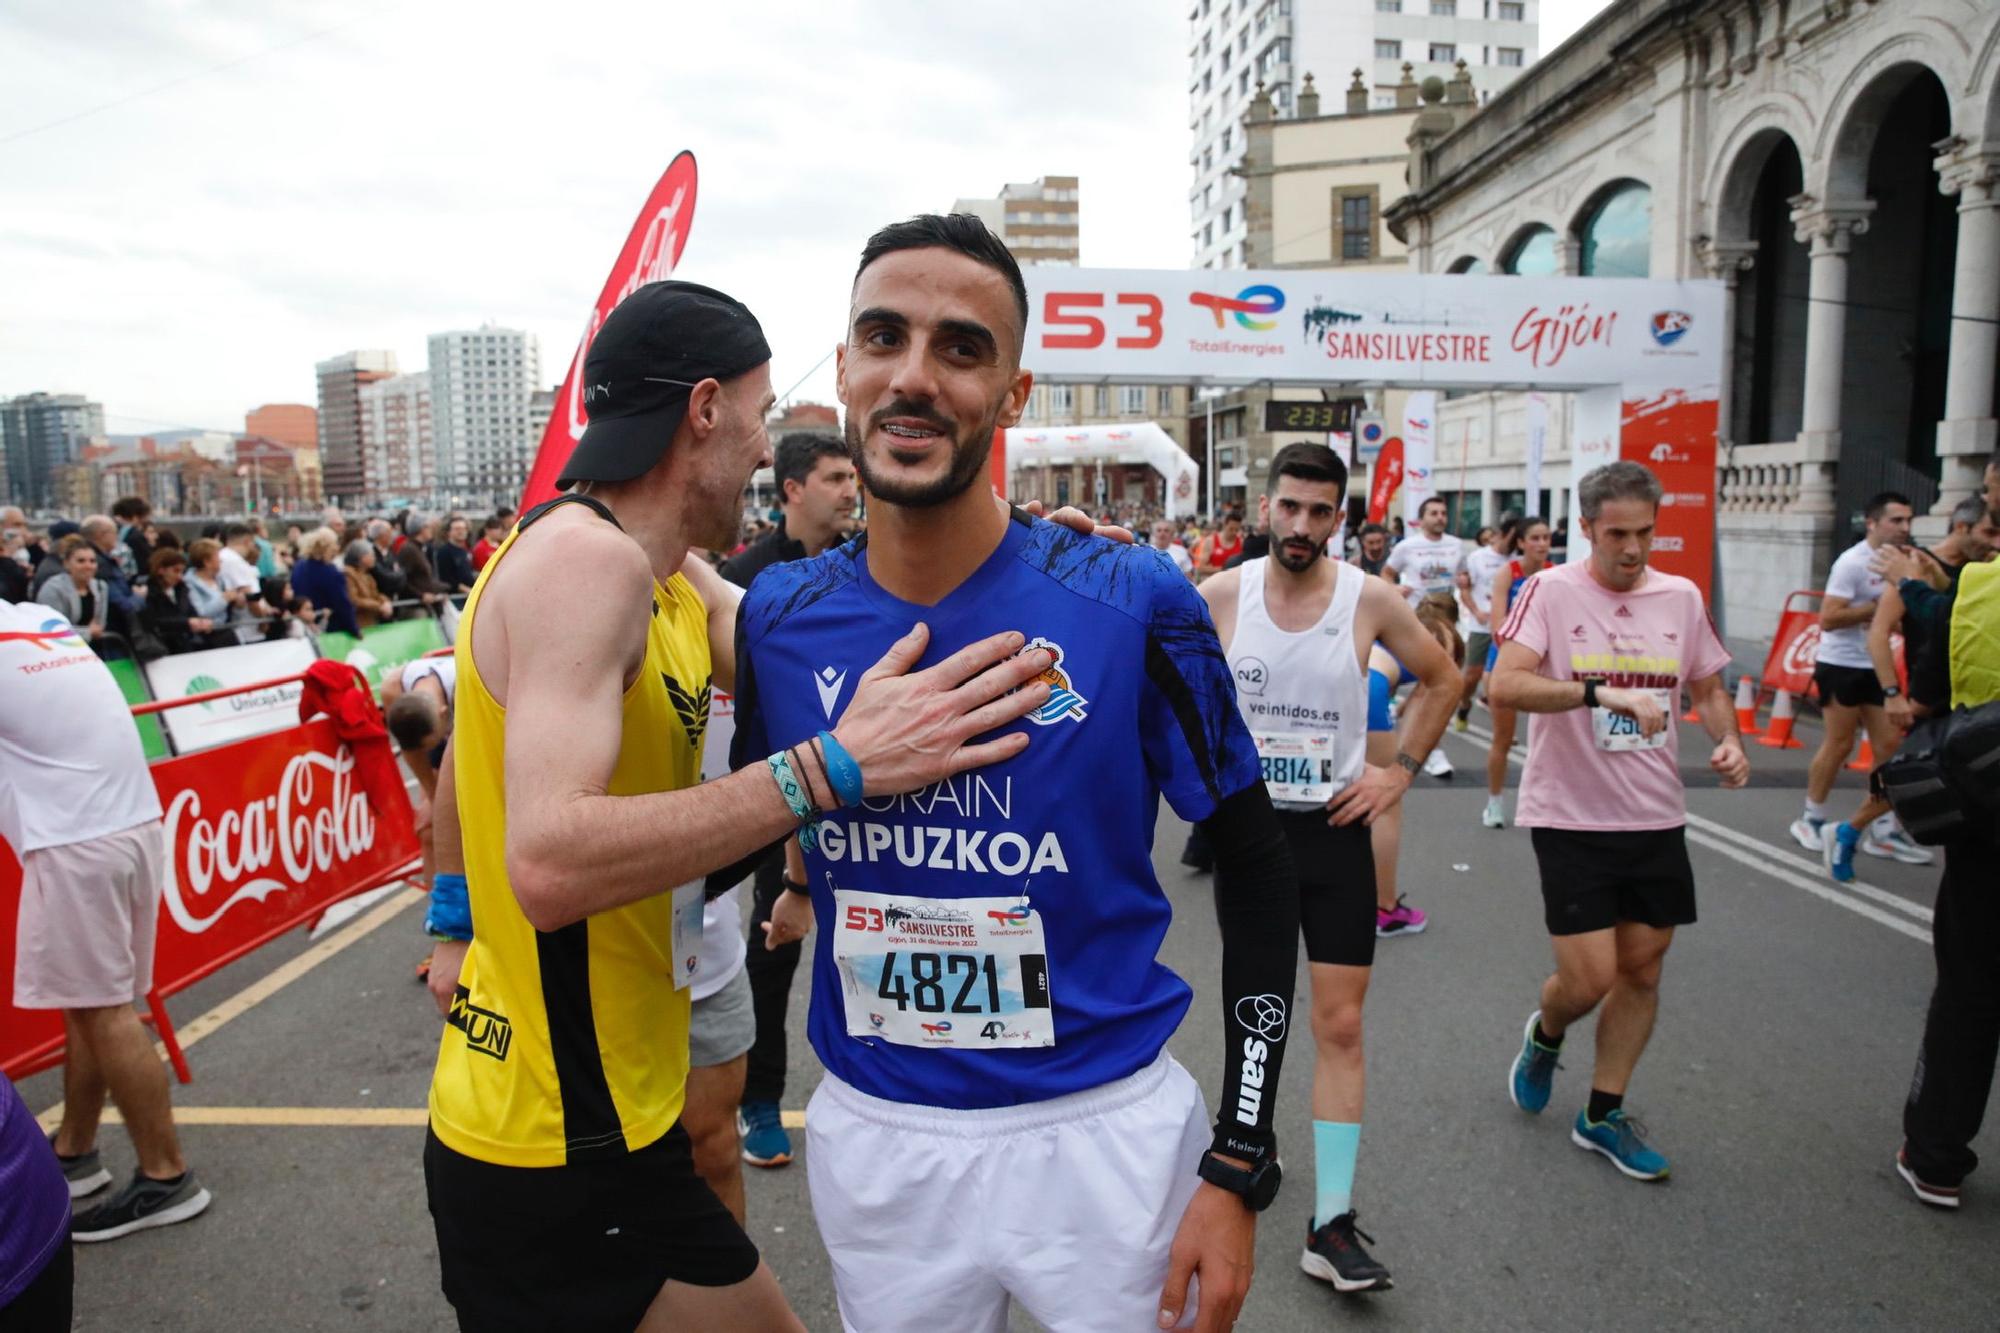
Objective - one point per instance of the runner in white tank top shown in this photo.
(1297, 629)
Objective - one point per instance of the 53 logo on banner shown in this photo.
(1140, 312)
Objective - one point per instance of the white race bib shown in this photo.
(969, 973)
(1618, 733)
(1297, 768)
(688, 904)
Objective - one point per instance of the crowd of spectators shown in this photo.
(143, 589)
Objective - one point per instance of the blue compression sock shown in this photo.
(1335, 1147)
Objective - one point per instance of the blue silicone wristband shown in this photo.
(450, 914)
(841, 770)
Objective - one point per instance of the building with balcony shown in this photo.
(398, 453)
(1236, 45)
(339, 424)
(43, 433)
(482, 385)
(1837, 165)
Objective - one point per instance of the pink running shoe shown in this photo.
(1400, 920)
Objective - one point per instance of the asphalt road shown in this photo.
(1775, 1080)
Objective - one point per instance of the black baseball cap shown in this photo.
(659, 343)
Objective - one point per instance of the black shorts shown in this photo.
(1336, 870)
(1850, 687)
(1592, 881)
(586, 1246)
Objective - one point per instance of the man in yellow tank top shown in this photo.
(562, 1187)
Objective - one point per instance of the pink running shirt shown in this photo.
(1654, 637)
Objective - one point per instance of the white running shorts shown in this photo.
(936, 1218)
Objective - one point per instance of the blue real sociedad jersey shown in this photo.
(1142, 705)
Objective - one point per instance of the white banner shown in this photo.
(1138, 442)
(1304, 326)
(1594, 431)
(199, 726)
(1538, 443)
(1419, 453)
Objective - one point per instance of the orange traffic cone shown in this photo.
(1780, 736)
(1746, 707)
(1865, 761)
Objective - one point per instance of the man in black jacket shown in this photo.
(816, 490)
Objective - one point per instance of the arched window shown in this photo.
(1469, 264)
(1617, 238)
(1533, 255)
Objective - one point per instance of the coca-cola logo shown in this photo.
(1803, 651)
(316, 821)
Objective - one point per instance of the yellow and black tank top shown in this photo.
(569, 1045)
(1975, 637)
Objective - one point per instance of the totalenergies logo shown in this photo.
(1252, 306)
(54, 633)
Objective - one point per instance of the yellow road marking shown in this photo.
(382, 1117)
(265, 987)
(393, 1117)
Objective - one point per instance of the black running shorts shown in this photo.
(1850, 687)
(1592, 881)
(1336, 870)
(586, 1246)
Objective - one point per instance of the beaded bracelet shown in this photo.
(794, 792)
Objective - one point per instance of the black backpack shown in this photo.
(1944, 782)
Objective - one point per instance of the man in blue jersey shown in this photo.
(999, 1121)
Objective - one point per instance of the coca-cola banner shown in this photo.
(651, 251)
(262, 835)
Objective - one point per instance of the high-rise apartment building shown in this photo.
(340, 381)
(1234, 45)
(483, 382)
(41, 433)
(1038, 220)
(398, 449)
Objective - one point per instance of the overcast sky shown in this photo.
(323, 175)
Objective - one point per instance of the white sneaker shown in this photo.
(1495, 814)
(1897, 847)
(1438, 766)
(1807, 831)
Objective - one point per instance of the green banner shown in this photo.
(133, 686)
(384, 648)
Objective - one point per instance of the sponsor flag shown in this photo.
(1388, 476)
(1538, 442)
(650, 254)
(1419, 452)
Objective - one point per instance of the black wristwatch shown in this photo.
(1590, 693)
(1256, 1185)
(791, 887)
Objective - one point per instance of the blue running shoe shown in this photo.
(1838, 851)
(1534, 1071)
(765, 1142)
(1622, 1139)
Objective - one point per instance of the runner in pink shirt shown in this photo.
(1603, 648)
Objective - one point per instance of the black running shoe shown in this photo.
(141, 1204)
(1334, 1254)
(84, 1172)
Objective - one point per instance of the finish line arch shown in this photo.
(1644, 356)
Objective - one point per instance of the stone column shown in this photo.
(1830, 231)
(1727, 260)
(1969, 433)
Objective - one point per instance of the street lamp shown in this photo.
(1209, 395)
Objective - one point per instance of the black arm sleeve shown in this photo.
(1257, 903)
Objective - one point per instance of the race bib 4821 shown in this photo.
(967, 973)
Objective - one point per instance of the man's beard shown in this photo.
(968, 460)
(1295, 562)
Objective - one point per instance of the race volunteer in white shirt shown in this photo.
(1298, 628)
(1475, 604)
(1850, 696)
(78, 805)
(1428, 562)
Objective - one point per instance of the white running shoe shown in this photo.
(1438, 766)
(1495, 813)
(1807, 832)
(1897, 847)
